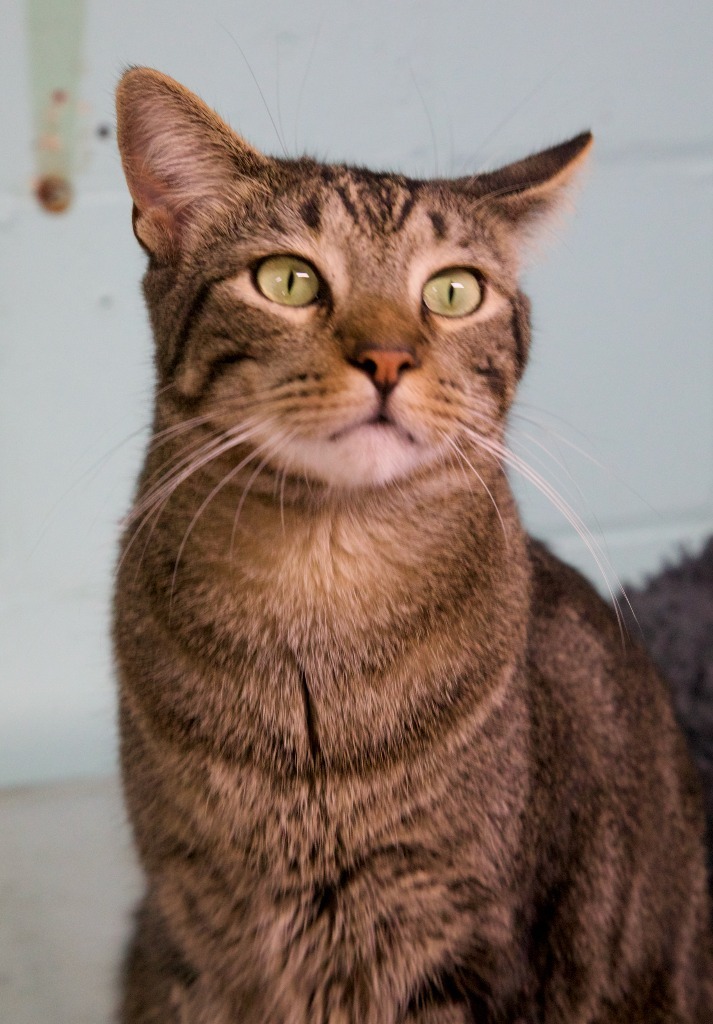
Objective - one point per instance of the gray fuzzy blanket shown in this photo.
(675, 618)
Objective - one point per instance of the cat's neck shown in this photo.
(345, 566)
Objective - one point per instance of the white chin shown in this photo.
(369, 455)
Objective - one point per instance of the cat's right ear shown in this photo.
(183, 164)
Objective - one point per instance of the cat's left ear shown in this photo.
(529, 189)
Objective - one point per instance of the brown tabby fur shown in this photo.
(385, 757)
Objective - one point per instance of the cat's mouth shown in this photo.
(373, 449)
(380, 420)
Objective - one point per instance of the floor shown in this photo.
(68, 881)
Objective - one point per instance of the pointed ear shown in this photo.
(182, 162)
(528, 189)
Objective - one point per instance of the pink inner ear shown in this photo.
(150, 193)
(162, 212)
(159, 213)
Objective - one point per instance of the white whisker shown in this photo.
(244, 495)
(500, 452)
(461, 455)
(283, 478)
(273, 447)
(189, 464)
(153, 503)
(206, 502)
(461, 464)
(589, 457)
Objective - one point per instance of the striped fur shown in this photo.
(387, 761)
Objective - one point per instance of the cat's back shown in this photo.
(612, 777)
(595, 689)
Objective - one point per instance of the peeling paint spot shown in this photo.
(54, 193)
(51, 143)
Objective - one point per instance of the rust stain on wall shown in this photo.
(54, 35)
(54, 193)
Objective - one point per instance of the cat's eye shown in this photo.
(453, 292)
(287, 280)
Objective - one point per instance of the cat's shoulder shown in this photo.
(561, 591)
(579, 639)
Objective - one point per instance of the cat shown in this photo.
(386, 759)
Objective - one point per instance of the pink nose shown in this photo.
(385, 366)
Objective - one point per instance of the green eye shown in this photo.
(454, 292)
(287, 280)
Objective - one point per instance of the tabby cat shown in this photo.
(386, 759)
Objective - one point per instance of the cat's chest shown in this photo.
(308, 875)
(311, 822)
(326, 861)
(307, 830)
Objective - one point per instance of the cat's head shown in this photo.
(350, 327)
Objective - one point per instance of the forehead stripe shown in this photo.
(439, 224)
(405, 211)
(348, 204)
(311, 211)
(376, 203)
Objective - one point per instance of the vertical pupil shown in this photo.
(451, 293)
(290, 281)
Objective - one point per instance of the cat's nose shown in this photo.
(384, 366)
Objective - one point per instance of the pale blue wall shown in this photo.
(622, 363)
